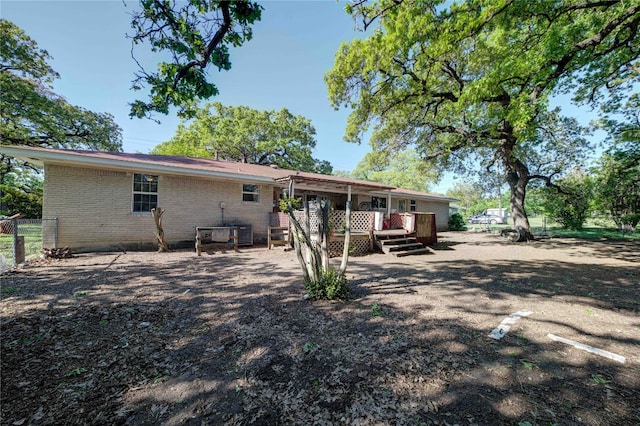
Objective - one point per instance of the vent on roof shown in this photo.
(274, 166)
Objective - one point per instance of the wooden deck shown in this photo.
(391, 233)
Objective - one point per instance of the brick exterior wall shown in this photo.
(94, 208)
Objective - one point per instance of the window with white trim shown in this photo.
(412, 205)
(402, 206)
(145, 193)
(250, 192)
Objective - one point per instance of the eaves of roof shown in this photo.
(409, 193)
(133, 162)
(335, 181)
(203, 167)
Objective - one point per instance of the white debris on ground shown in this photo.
(500, 331)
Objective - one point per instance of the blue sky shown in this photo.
(282, 66)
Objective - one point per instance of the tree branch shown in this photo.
(211, 46)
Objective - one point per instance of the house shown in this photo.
(103, 200)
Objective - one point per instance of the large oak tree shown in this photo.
(239, 133)
(32, 114)
(403, 169)
(473, 78)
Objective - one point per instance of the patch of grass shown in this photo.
(32, 233)
(160, 379)
(331, 285)
(593, 229)
(376, 310)
(526, 364)
(309, 347)
(594, 233)
(76, 372)
(26, 341)
(80, 294)
(33, 339)
(599, 379)
(11, 344)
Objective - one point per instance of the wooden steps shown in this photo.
(401, 244)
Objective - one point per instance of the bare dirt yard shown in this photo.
(227, 338)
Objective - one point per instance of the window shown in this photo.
(378, 203)
(402, 206)
(412, 205)
(250, 192)
(145, 192)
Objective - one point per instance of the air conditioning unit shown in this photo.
(245, 233)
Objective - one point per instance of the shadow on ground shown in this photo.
(228, 339)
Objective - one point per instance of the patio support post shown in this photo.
(292, 187)
(347, 233)
(389, 205)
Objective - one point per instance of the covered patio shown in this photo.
(366, 225)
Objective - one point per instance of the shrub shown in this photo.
(287, 203)
(331, 285)
(456, 222)
(569, 208)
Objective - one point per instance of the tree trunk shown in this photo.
(323, 231)
(518, 185)
(300, 239)
(517, 178)
(157, 217)
(347, 239)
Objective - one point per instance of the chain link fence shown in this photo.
(23, 239)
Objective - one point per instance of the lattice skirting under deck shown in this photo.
(359, 245)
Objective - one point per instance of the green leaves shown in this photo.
(32, 114)
(194, 34)
(469, 79)
(571, 207)
(21, 55)
(403, 169)
(248, 135)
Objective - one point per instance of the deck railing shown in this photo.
(361, 221)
